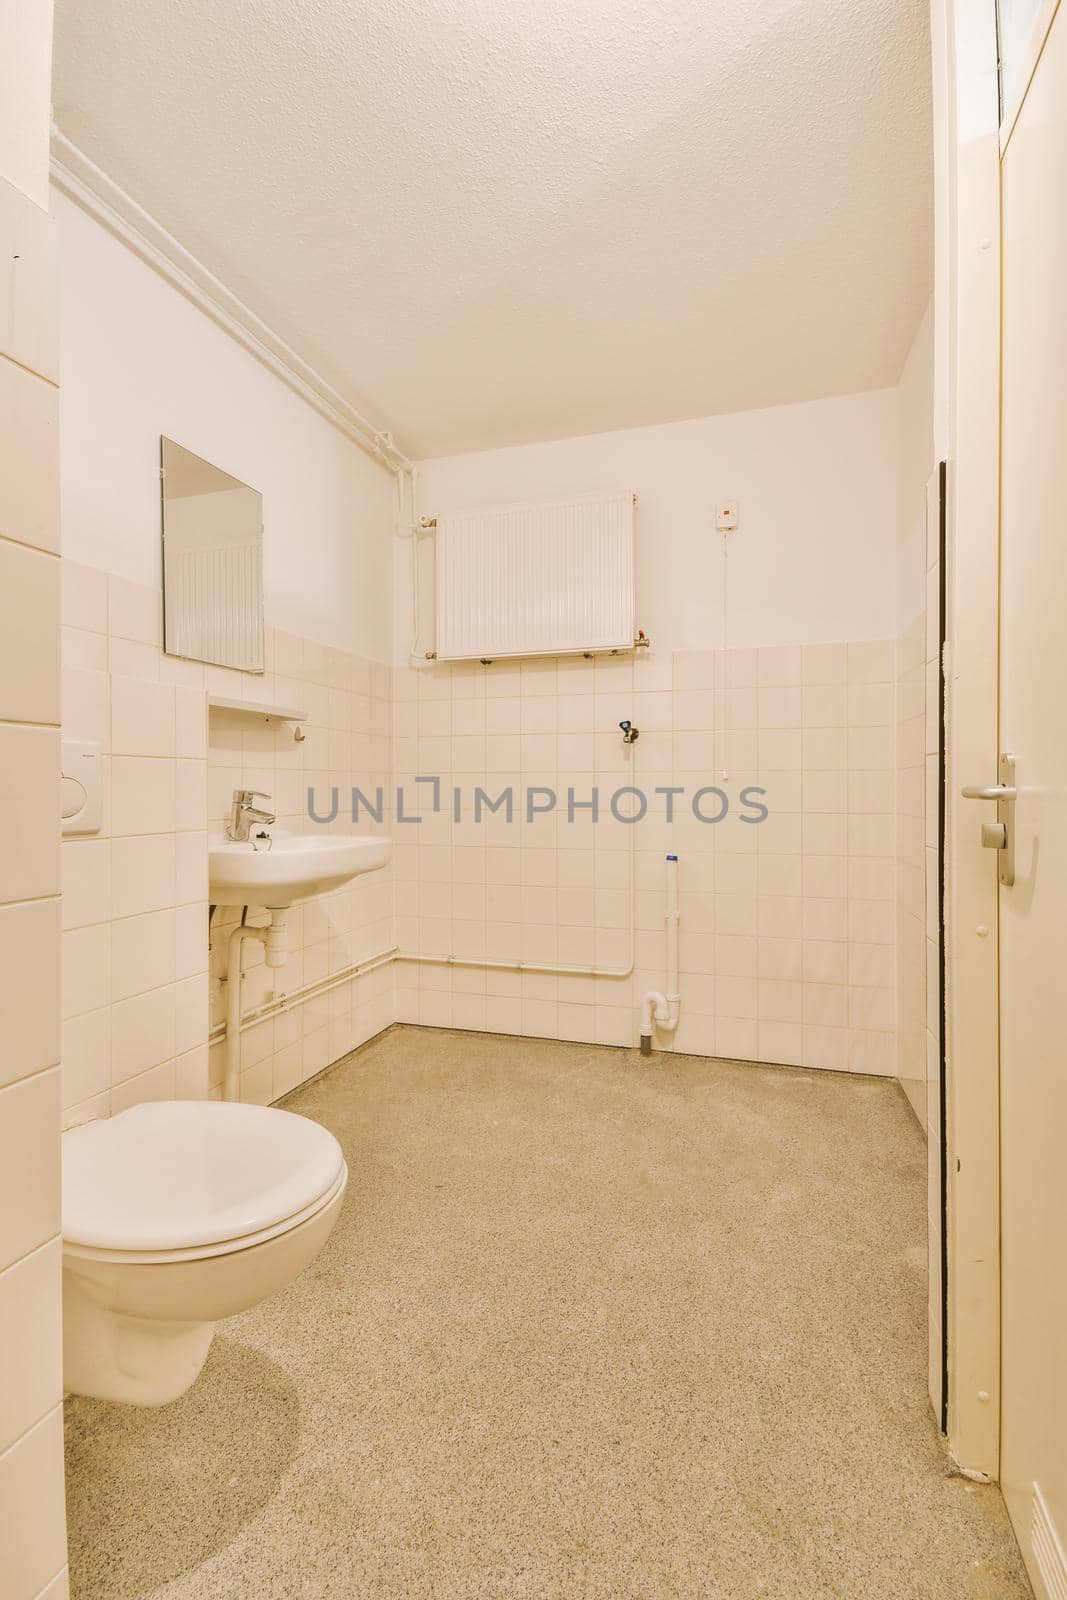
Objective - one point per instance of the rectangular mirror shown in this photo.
(212, 563)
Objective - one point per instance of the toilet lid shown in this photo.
(178, 1173)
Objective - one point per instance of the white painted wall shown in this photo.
(915, 462)
(139, 360)
(813, 561)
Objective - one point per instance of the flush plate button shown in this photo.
(72, 797)
(81, 786)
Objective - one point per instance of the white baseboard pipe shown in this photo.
(664, 1009)
(288, 1001)
(546, 968)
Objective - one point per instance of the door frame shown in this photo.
(1039, 32)
(966, 423)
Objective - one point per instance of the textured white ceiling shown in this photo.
(490, 221)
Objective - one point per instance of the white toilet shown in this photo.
(176, 1214)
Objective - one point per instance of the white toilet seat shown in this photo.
(183, 1179)
(221, 1247)
(176, 1215)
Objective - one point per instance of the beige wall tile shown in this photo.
(86, 1069)
(31, 1500)
(86, 969)
(142, 717)
(29, 1164)
(84, 597)
(190, 708)
(135, 612)
(872, 661)
(31, 1352)
(190, 868)
(190, 795)
(86, 875)
(190, 941)
(127, 658)
(142, 1033)
(25, 105)
(824, 663)
(190, 1013)
(142, 954)
(29, 832)
(85, 709)
(191, 1074)
(142, 795)
(83, 649)
(142, 874)
(31, 1470)
(29, 987)
(29, 458)
(29, 325)
(158, 1083)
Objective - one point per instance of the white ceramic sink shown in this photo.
(295, 867)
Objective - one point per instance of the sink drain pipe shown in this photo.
(663, 1009)
(275, 941)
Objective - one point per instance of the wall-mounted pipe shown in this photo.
(275, 941)
(291, 998)
(664, 1009)
(548, 968)
(82, 181)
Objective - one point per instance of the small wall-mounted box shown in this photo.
(727, 515)
(81, 786)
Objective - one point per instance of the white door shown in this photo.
(1033, 912)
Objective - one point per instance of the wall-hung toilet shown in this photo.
(176, 1214)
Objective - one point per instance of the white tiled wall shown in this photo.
(139, 1005)
(329, 1009)
(911, 866)
(135, 980)
(32, 1527)
(787, 928)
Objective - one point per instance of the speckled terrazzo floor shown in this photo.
(588, 1328)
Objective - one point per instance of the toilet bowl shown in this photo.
(176, 1214)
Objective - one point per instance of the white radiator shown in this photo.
(213, 605)
(536, 580)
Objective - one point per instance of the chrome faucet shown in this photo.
(243, 813)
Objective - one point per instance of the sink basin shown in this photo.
(295, 867)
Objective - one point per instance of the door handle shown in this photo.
(993, 791)
(999, 835)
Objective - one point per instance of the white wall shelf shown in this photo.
(256, 708)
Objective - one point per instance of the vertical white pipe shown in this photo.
(275, 939)
(231, 1083)
(674, 999)
(664, 1009)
